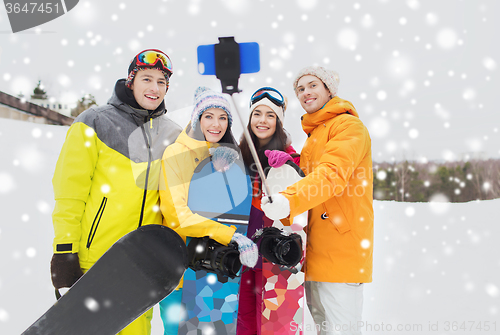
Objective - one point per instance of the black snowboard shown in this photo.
(138, 271)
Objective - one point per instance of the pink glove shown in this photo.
(277, 158)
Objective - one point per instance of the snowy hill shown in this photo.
(436, 266)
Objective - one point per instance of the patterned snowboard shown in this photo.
(283, 295)
(210, 302)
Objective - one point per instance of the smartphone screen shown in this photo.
(249, 58)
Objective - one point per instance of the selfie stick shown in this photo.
(254, 153)
(227, 70)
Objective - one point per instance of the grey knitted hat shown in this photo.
(329, 77)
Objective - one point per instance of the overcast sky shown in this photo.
(422, 74)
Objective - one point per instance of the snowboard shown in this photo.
(138, 271)
(211, 301)
(283, 294)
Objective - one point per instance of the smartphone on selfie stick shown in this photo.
(227, 60)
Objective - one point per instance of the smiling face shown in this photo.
(263, 124)
(213, 124)
(312, 93)
(149, 88)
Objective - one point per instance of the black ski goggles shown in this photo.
(270, 93)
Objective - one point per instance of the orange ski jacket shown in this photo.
(338, 193)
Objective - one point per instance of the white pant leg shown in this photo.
(314, 304)
(336, 307)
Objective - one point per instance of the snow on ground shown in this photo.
(435, 263)
(436, 266)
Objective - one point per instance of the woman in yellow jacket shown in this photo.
(338, 193)
(210, 127)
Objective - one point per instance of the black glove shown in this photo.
(278, 246)
(65, 270)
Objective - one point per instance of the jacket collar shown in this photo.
(336, 106)
(123, 99)
(192, 143)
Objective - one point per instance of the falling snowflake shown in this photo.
(381, 175)
(4, 316)
(489, 63)
(31, 252)
(91, 304)
(211, 279)
(492, 290)
(347, 38)
(431, 18)
(379, 127)
(307, 4)
(410, 211)
(469, 94)
(7, 183)
(447, 38)
(43, 207)
(439, 204)
(381, 95)
(367, 21)
(413, 4)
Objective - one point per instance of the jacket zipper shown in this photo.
(147, 139)
(95, 224)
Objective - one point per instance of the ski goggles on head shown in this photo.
(268, 92)
(151, 57)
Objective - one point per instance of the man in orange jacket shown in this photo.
(338, 193)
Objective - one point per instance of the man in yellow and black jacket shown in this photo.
(106, 177)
